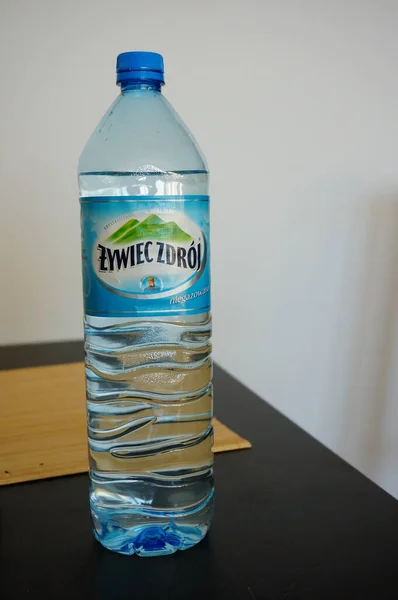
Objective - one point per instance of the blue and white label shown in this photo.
(145, 256)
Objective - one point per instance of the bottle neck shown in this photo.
(129, 86)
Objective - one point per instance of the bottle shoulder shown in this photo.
(141, 131)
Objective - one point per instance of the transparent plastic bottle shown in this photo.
(146, 278)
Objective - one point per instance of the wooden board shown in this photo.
(43, 424)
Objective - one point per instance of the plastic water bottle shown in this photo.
(146, 278)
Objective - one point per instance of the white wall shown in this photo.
(295, 103)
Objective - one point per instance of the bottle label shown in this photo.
(145, 256)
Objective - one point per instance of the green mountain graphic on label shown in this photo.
(153, 227)
(122, 230)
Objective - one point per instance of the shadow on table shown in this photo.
(176, 576)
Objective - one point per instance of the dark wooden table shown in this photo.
(292, 521)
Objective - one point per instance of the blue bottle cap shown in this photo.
(139, 66)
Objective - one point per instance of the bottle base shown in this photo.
(135, 532)
(151, 540)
